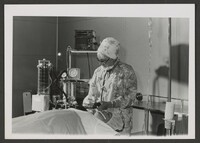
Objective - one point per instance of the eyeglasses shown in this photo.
(103, 61)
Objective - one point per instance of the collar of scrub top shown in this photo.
(108, 70)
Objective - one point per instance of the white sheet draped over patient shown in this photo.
(68, 121)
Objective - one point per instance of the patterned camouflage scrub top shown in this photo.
(117, 84)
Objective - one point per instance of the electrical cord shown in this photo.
(56, 79)
(59, 75)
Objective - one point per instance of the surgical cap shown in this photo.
(109, 47)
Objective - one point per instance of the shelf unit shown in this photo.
(70, 52)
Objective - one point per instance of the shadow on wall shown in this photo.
(179, 66)
(179, 73)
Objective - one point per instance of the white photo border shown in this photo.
(96, 10)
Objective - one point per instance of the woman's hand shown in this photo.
(96, 105)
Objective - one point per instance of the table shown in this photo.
(158, 107)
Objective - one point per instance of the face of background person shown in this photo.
(102, 59)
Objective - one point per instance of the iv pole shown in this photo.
(56, 44)
(169, 124)
(170, 63)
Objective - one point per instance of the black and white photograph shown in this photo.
(106, 71)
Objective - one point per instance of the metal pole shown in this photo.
(70, 59)
(147, 121)
(56, 44)
(170, 63)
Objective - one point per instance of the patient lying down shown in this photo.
(67, 121)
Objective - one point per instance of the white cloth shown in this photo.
(65, 121)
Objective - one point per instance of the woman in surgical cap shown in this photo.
(113, 88)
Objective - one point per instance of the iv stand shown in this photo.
(170, 124)
(170, 63)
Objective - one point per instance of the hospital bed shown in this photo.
(64, 121)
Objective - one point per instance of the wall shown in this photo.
(147, 62)
(34, 38)
(133, 36)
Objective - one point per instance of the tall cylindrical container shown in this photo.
(44, 67)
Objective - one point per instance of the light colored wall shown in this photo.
(133, 36)
(33, 40)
